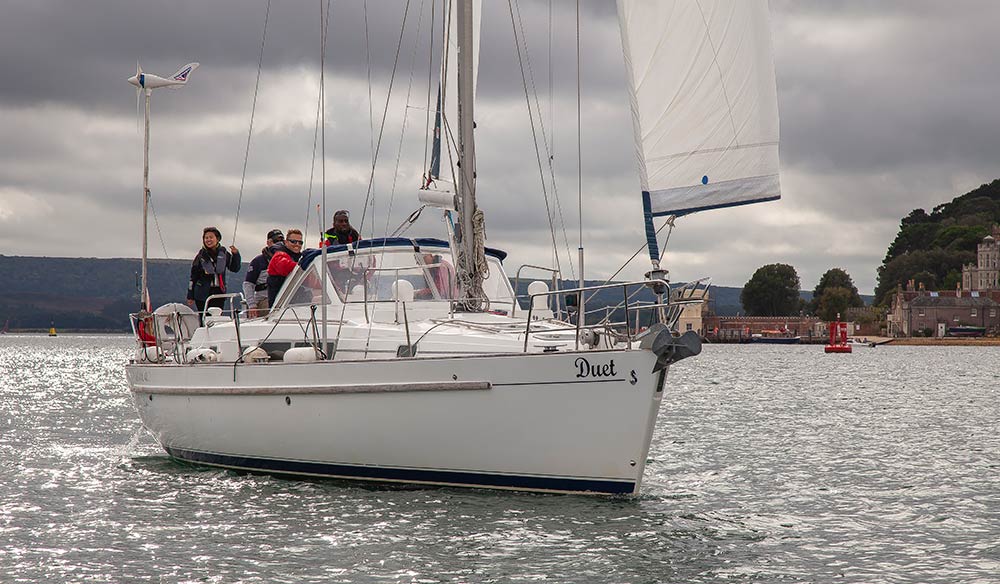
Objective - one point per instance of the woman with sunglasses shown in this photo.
(286, 257)
(208, 270)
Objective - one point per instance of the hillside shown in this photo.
(98, 294)
(932, 247)
(85, 293)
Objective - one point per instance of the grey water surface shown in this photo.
(769, 464)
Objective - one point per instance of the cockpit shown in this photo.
(386, 272)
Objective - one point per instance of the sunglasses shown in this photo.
(294, 241)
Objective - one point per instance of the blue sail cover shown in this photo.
(704, 103)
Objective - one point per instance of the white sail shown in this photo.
(704, 102)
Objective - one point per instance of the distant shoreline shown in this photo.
(946, 342)
(67, 332)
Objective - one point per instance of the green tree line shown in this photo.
(773, 290)
(931, 248)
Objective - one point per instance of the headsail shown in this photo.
(704, 103)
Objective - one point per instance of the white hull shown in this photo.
(525, 421)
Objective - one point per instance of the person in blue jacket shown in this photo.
(208, 270)
(255, 283)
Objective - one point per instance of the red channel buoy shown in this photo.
(838, 338)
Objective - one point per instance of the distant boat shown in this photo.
(775, 337)
(966, 331)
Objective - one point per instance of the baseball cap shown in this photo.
(276, 235)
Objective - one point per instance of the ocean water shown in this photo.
(769, 464)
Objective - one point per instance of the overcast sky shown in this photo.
(885, 107)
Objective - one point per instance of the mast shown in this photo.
(144, 292)
(470, 255)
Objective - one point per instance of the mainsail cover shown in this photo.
(704, 103)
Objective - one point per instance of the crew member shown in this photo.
(341, 233)
(285, 257)
(255, 284)
(208, 270)
(441, 276)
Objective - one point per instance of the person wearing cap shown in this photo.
(286, 256)
(255, 283)
(208, 270)
(341, 233)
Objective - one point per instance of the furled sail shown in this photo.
(704, 103)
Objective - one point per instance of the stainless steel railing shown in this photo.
(581, 317)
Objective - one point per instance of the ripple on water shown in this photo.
(768, 465)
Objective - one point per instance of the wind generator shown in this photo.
(146, 83)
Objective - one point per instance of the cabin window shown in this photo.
(302, 289)
(371, 276)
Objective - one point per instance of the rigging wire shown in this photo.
(637, 252)
(157, 223)
(402, 129)
(319, 104)
(322, 128)
(399, 152)
(430, 69)
(552, 122)
(579, 141)
(546, 137)
(385, 113)
(253, 109)
(378, 147)
(534, 136)
(371, 112)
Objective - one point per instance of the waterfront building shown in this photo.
(985, 275)
(932, 313)
(693, 315)
(740, 328)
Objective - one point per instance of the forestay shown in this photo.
(704, 103)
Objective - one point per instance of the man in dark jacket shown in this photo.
(285, 257)
(255, 283)
(208, 270)
(341, 233)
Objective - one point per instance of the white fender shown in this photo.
(255, 355)
(301, 355)
(203, 356)
(402, 291)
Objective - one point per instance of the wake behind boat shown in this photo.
(414, 359)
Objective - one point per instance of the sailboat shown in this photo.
(413, 360)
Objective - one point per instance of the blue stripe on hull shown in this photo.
(373, 473)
